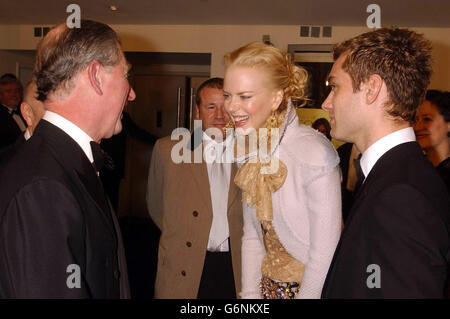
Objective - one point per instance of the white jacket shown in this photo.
(306, 210)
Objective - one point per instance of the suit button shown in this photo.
(116, 274)
(195, 213)
(188, 243)
(183, 273)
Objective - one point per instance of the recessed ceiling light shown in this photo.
(113, 8)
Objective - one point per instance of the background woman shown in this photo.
(292, 215)
(432, 129)
(323, 126)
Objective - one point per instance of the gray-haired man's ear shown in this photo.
(94, 76)
(27, 113)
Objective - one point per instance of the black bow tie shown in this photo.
(359, 172)
(101, 158)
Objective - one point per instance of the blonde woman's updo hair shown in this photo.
(284, 75)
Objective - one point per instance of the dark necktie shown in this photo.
(101, 158)
(359, 173)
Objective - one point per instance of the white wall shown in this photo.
(219, 39)
(19, 63)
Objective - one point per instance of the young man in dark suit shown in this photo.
(59, 237)
(395, 243)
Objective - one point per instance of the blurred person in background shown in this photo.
(32, 110)
(432, 128)
(12, 124)
(323, 126)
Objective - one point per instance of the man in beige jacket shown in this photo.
(197, 207)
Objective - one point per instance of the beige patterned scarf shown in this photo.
(256, 177)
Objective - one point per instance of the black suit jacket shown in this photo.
(400, 222)
(9, 130)
(8, 152)
(54, 215)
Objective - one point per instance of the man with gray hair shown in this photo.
(59, 237)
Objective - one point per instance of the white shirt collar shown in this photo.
(211, 146)
(77, 134)
(207, 139)
(27, 135)
(384, 144)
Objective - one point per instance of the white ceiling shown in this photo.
(405, 13)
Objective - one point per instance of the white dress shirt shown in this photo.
(219, 173)
(76, 133)
(384, 144)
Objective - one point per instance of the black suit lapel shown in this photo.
(382, 167)
(20, 140)
(92, 189)
(82, 173)
(88, 186)
(359, 199)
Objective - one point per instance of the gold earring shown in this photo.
(229, 125)
(271, 122)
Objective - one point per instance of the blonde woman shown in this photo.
(292, 215)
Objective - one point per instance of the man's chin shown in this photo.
(340, 137)
(334, 134)
(219, 126)
(117, 128)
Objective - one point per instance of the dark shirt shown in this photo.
(444, 171)
(348, 196)
(9, 130)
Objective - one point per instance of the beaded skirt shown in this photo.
(282, 273)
